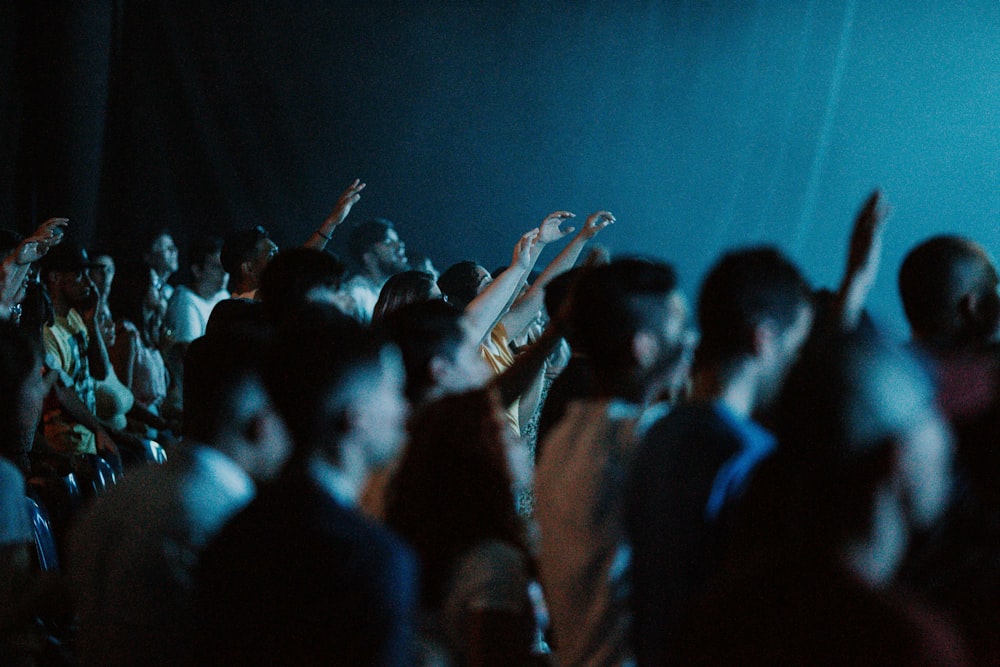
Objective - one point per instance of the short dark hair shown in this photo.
(460, 283)
(423, 331)
(928, 279)
(202, 247)
(292, 273)
(365, 235)
(214, 367)
(613, 303)
(240, 246)
(128, 297)
(745, 288)
(317, 353)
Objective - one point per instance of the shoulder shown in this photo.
(491, 575)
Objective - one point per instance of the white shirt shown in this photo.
(188, 313)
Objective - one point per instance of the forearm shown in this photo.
(518, 378)
(524, 310)
(485, 310)
(97, 353)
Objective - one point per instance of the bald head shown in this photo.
(948, 285)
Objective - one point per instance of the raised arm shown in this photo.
(348, 199)
(523, 311)
(488, 307)
(18, 263)
(863, 259)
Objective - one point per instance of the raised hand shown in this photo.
(348, 199)
(864, 255)
(865, 250)
(595, 223)
(523, 251)
(34, 247)
(550, 231)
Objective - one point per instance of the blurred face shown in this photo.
(106, 324)
(381, 411)
(103, 274)
(677, 341)
(211, 274)
(75, 285)
(264, 252)
(483, 279)
(784, 352)
(162, 255)
(390, 254)
(466, 369)
(265, 453)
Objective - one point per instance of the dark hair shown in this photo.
(317, 353)
(292, 273)
(202, 247)
(742, 290)
(460, 283)
(928, 280)
(127, 299)
(616, 301)
(240, 246)
(402, 289)
(214, 367)
(365, 235)
(19, 357)
(9, 240)
(452, 489)
(151, 234)
(423, 331)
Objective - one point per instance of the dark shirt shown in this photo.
(299, 579)
(689, 471)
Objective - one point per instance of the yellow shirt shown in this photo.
(498, 356)
(66, 345)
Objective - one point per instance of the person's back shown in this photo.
(625, 306)
(298, 578)
(134, 550)
(754, 314)
(824, 523)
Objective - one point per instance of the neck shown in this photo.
(735, 386)
(60, 306)
(376, 276)
(204, 290)
(629, 389)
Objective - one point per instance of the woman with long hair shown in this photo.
(452, 498)
(138, 307)
(403, 289)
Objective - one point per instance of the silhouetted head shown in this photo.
(631, 320)
(402, 289)
(948, 285)
(377, 249)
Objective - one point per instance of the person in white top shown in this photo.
(190, 307)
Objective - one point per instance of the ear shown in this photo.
(438, 368)
(764, 336)
(645, 349)
(368, 258)
(246, 268)
(196, 271)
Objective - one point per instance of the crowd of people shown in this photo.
(293, 460)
